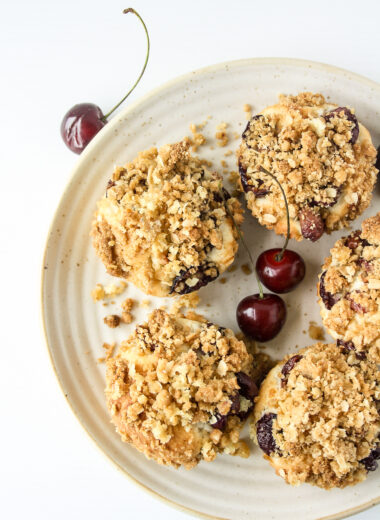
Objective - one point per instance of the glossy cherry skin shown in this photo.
(280, 276)
(80, 124)
(261, 318)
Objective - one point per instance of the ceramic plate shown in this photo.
(228, 488)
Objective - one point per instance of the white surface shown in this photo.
(52, 56)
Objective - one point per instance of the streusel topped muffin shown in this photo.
(179, 390)
(323, 158)
(349, 291)
(165, 224)
(316, 417)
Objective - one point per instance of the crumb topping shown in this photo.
(163, 223)
(172, 380)
(323, 158)
(325, 417)
(349, 289)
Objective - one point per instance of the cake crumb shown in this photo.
(236, 135)
(246, 269)
(127, 304)
(112, 320)
(221, 135)
(248, 111)
(145, 303)
(228, 153)
(110, 349)
(108, 291)
(222, 280)
(198, 139)
(232, 269)
(315, 331)
(126, 317)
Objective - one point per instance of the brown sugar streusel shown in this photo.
(316, 417)
(323, 158)
(179, 390)
(163, 223)
(349, 291)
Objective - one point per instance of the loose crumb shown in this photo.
(248, 111)
(145, 303)
(246, 269)
(198, 139)
(228, 153)
(112, 320)
(232, 268)
(315, 331)
(223, 280)
(221, 135)
(126, 317)
(109, 348)
(107, 292)
(127, 304)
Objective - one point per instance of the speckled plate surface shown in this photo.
(228, 488)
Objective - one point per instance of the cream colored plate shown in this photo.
(229, 488)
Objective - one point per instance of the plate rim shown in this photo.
(302, 63)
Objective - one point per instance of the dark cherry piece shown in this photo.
(80, 124)
(328, 299)
(259, 192)
(179, 285)
(264, 432)
(377, 163)
(350, 116)
(369, 462)
(247, 385)
(288, 367)
(261, 318)
(221, 422)
(280, 276)
(348, 346)
(312, 225)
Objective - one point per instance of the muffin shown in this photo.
(165, 223)
(316, 417)
(323, 158)
(179, 390)
(349, 291)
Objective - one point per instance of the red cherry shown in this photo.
(80, 124)
(261, 318)
(280, 276)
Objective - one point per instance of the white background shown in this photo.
(53, 55)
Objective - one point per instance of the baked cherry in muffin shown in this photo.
(165, 224)
(323, 158)
(179, 390)
(316, 417)
(349, 290)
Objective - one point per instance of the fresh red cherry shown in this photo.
(279, 271)
(261, 317)
(80, 124)
(83, 121)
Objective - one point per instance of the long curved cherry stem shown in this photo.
(130, 10)
(279, 256)
(261, 292)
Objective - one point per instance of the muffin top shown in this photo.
(349, 290)
(165, 222)
(179, 390)
(323, 158)
(317, 418)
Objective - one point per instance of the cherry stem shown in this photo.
(261, 292)
(130, 10)
(279, 255)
